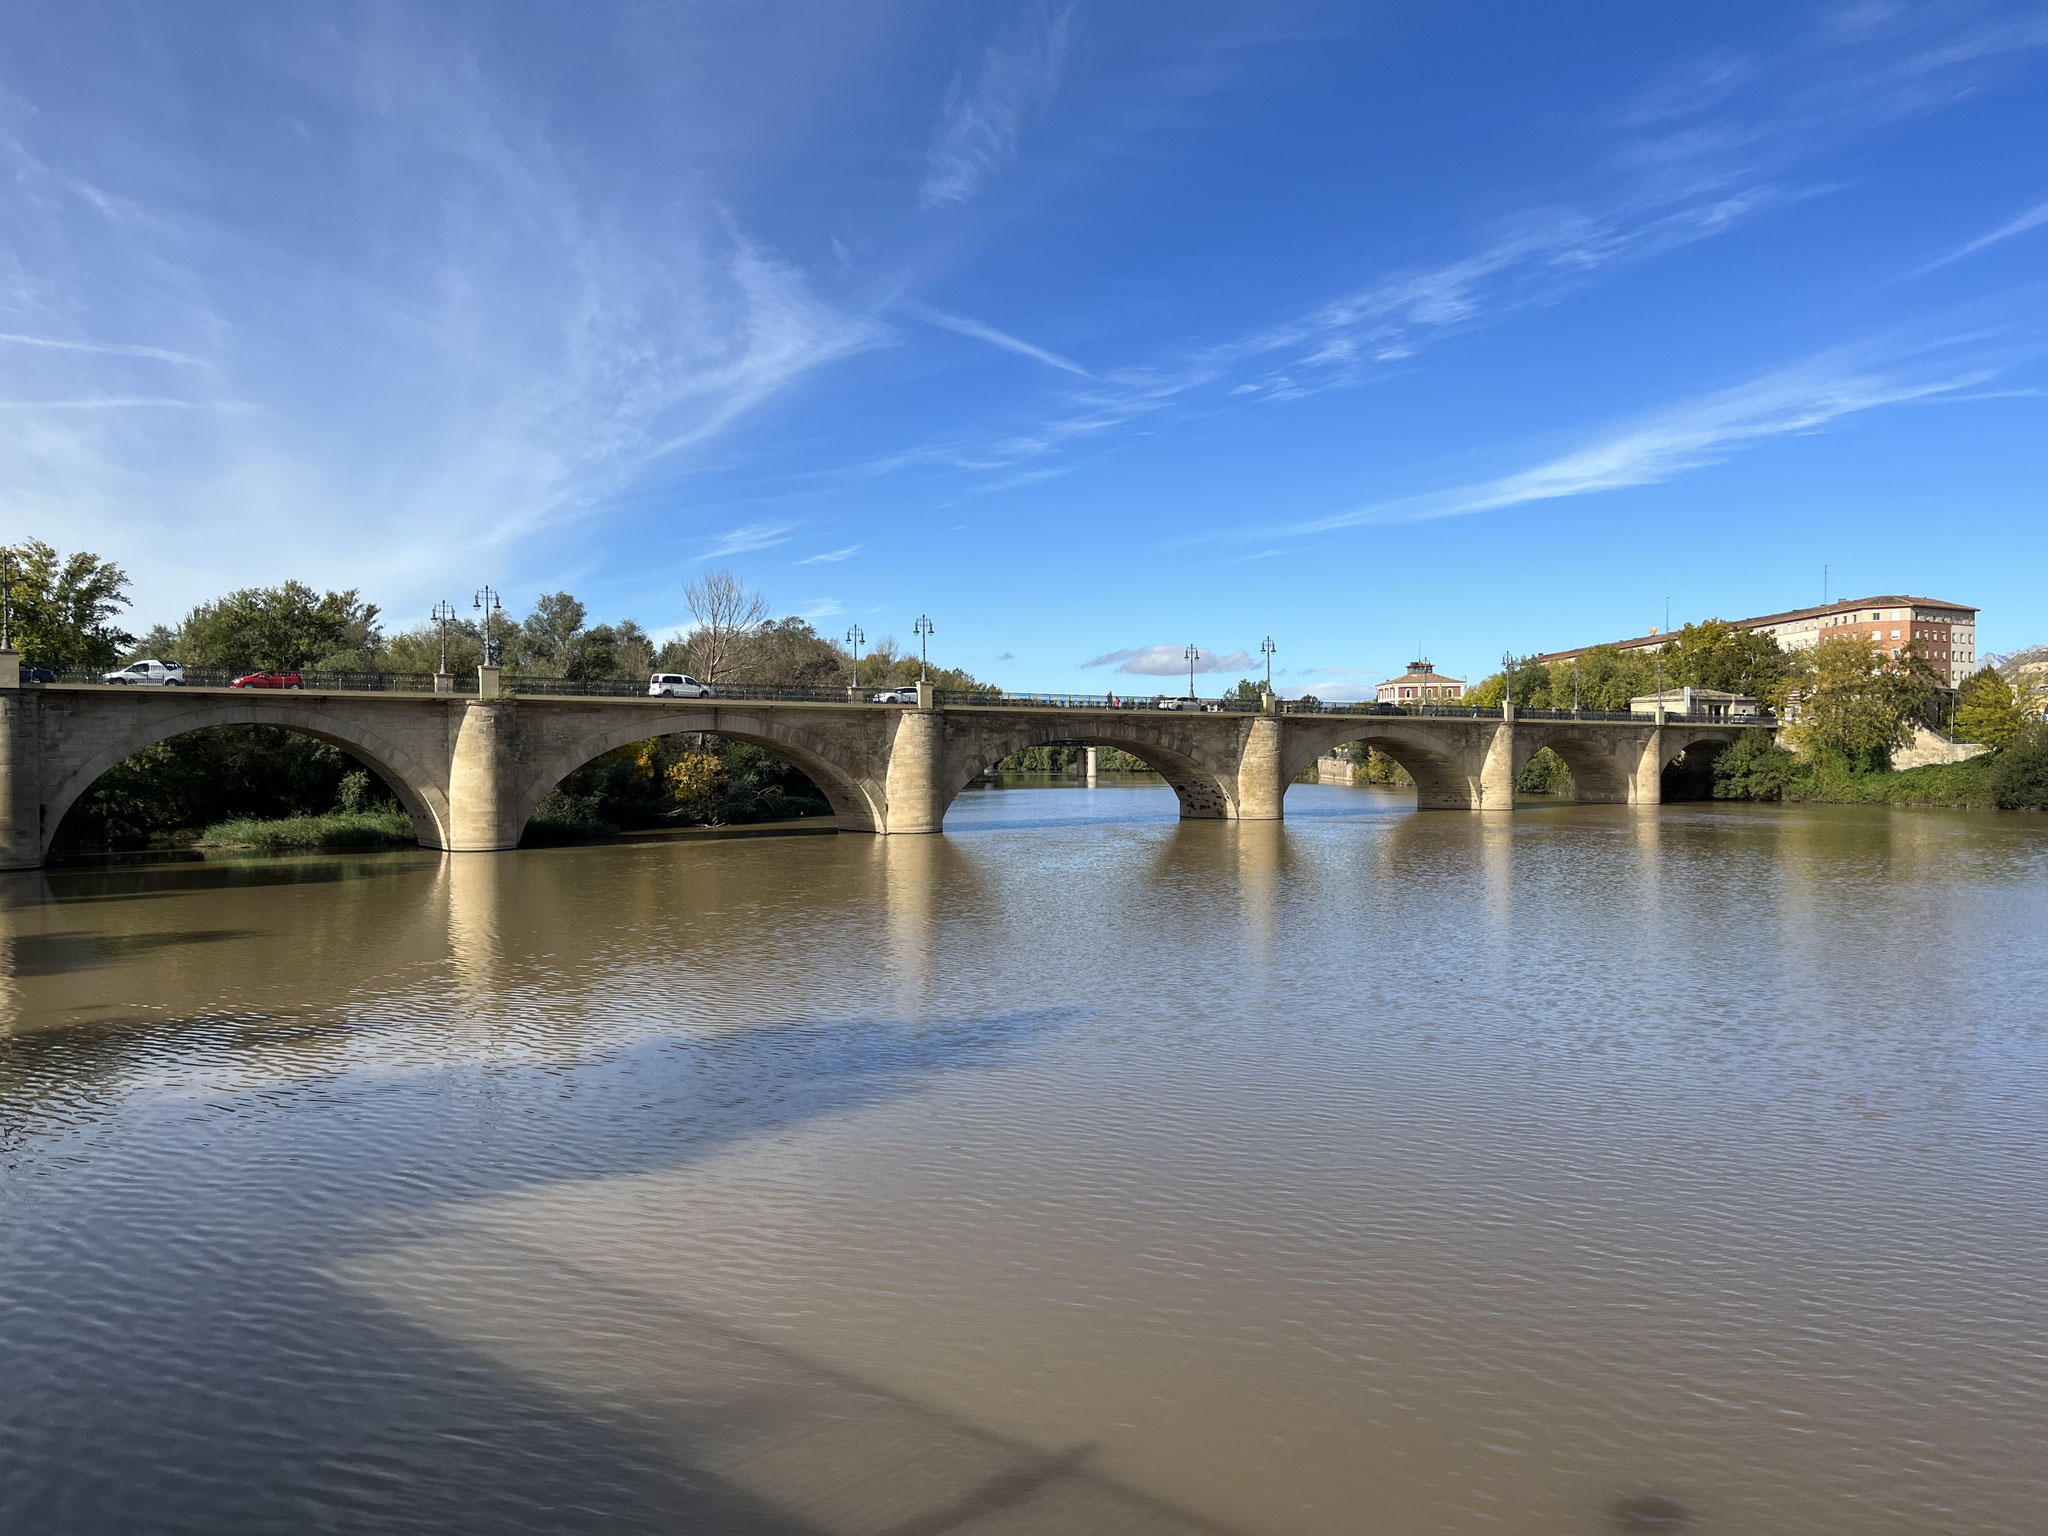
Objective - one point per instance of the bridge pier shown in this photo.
(1495, 789)
(21, 778)
(916, 786)
(1646, 786)
(480, 814)
(1261, 777)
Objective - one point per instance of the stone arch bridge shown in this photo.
(471, 770)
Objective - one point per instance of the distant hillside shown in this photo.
(2026, 670)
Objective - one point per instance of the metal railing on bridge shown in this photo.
(224, 677)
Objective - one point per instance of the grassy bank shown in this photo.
(2011, 778)
(297, 834)
(1965, 785)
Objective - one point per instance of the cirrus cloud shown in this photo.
(1168, 660)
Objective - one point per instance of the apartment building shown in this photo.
(1947, 632)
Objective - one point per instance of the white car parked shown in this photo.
(1165, 701)
(158, 674)
(895, 696)
(677, 685)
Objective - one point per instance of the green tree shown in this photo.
(1862, 703)
(2019, 778)
(284, 628)
(62, 608)
(788, 653)
(1753, 767)
(1988, 710)
(543, 643)
(1717, 654)
(1249, 690)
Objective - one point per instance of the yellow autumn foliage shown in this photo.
(695, 776)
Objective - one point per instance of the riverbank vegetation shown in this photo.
(335, 830)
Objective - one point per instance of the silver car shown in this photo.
(152, 674)
(678, 685)
(894, 696)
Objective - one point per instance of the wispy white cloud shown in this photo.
(2033, 218)
(748, 537)
(962, 326)
(1719, 142)
(1167, 660)
(821, 608)
(830, 556)
(123, 402)
(103, 348)
(981, 122)
(1688, 436)
(470, 341)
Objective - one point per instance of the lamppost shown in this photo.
(1575, 685)
(1507, 668)
(1193, 654)
(855, 638)
(6, 599)
(488, 605)
(924, 631)
(1266, 649)
(444, 615)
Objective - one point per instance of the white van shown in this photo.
(158, 674)
(677, 685)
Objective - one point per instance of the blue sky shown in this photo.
(1091, 331)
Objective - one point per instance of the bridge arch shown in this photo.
(1205, 792)
(1445, 774)
(1603, 766)
(855, 799)
(419, 792)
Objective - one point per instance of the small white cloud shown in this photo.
(960, 325)
(1341, 693)
(103, 348)
(821, 608)
(830, 556)
(979, 125)
(1167, 660)
(2033, 218)
(749, 536)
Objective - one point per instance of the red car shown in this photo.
(268, 680)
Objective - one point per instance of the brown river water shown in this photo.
(1586, 1170)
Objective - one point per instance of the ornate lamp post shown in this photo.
(924, 631)
(1193, 654)
(444, 615)
(1507, 668)
(1266, 649)
(6, 599)
(488, 605)
(855, 638)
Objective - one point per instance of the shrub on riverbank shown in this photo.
(340, 830)
(1754, 767)
(2019, 774)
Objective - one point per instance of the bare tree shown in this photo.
(727, 612)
